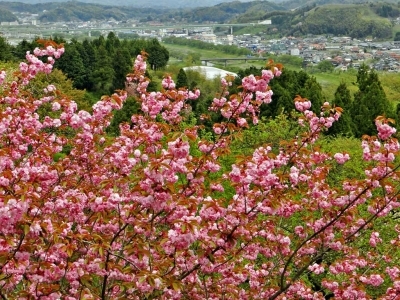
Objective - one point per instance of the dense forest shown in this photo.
(358, 115)
(99, 65)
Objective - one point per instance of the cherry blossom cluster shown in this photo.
(156, 213)
(2, 77)
(35, 65)
(385, 131)
(247, 103)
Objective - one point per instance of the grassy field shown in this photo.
(256, 29)
(177, 51)
(330, 81)
(178, 55)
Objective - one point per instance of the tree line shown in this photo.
(99, 65)
(359, 113)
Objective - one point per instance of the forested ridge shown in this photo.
(7, 16)
(79, 11)
(355, 20)
(227, 12)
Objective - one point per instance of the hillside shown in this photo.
(83, 12)
(355, 20)
(225, 12)
(6, 15)
(174, 4)
(297, 4)
(80, 11)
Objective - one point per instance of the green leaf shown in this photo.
(26, 229)
(176, 286)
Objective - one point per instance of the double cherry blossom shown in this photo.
(155, 214)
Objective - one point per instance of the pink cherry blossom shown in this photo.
(341, 158)
(384, 130)
(302, 106)
(2, 77)
(166, 211)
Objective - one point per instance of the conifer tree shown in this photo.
(182, 80)
(103, 74)
(369, 102)
(131, 106)
(343, 100)
(282, 102)
(100, 41)
(5, 50)
(158, 55)
(21, 49)
(122, 65)
(112, 43)
(312, 90)
(71, 64)
(88, 55)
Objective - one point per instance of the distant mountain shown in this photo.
(7, 16)
(76, 11)
(298, 4)
(72, 11)
(372, 19)
(356, 20)
(141, 3)
(226, 12)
